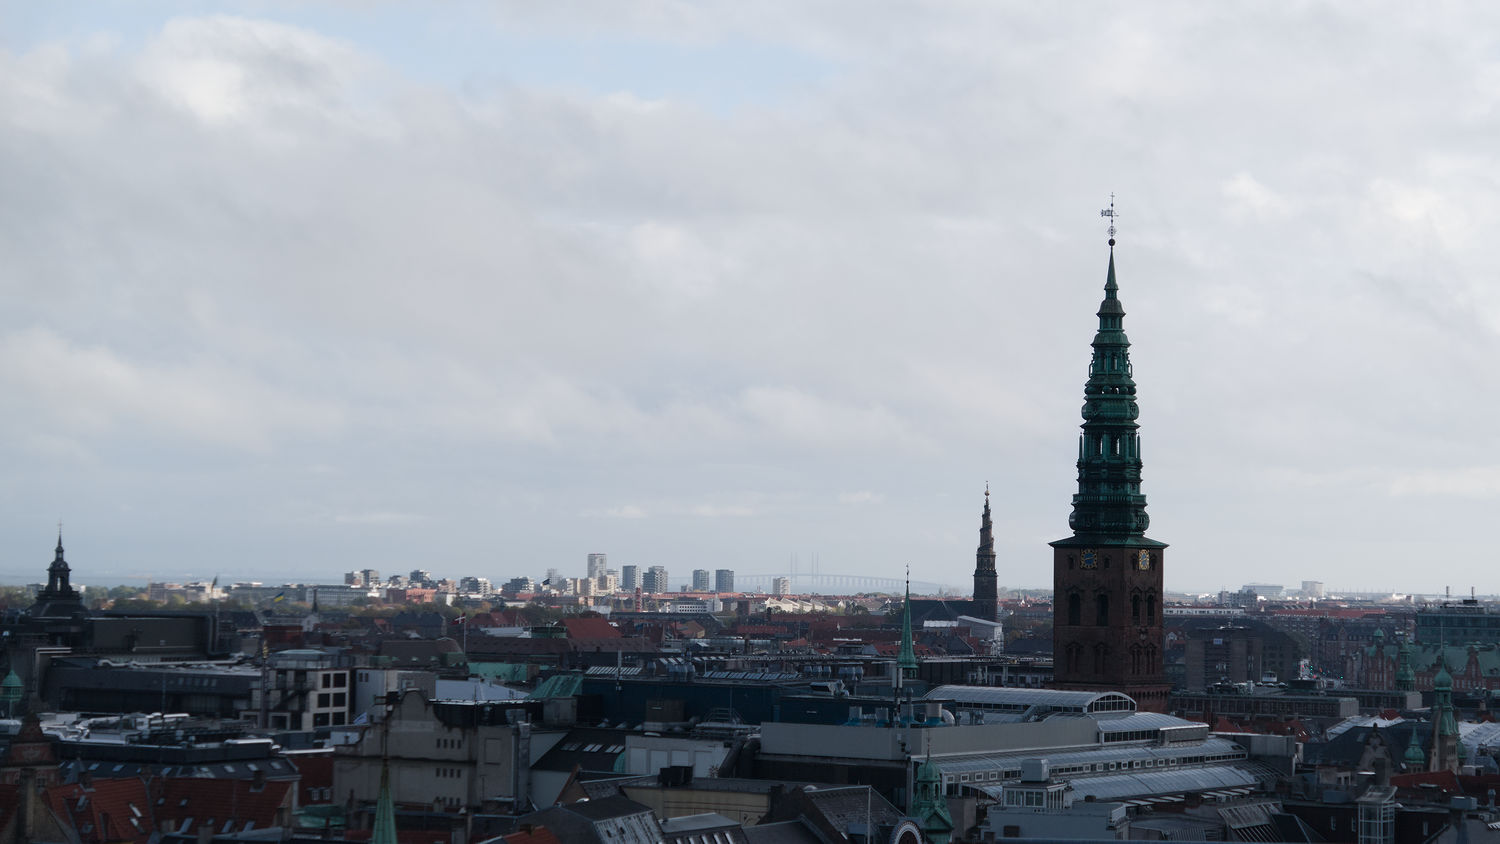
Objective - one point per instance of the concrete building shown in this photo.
(724, 580)
(630, 578)
(305, 689)
(452, 757)
(655, 580)
(781, 586)
(597, 564)
(701, 582)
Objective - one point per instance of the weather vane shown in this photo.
(1112, 215)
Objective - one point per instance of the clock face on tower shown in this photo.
(1090, 559)
(1143, 560)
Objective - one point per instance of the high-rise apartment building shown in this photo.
(654, 580)
(781, 586)
(630, 578)
(597, 565)
(724, 580)
(700, 580)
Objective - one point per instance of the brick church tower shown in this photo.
(1107, 576)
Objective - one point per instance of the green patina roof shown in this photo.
(558, 685)
(1424, 658)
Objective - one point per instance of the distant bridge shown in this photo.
(842, 584)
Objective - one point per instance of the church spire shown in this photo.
(1444, 727)
(58, 574)
(986, 590)
(1109, 504)
(906, 660)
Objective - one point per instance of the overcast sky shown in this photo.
(296, 288)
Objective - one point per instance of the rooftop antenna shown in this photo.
(1112, 215)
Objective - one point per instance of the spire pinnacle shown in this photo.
(1112, 215)
(906, 660)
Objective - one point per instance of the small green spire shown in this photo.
(906, 661)
(384, 831)
(1415, 758)
(929, 806)
(1442, 700)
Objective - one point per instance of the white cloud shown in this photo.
(95, 391)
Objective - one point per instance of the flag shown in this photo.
(215, 584)
(547, 582)
(280, 596)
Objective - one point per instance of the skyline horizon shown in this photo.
(10, 577)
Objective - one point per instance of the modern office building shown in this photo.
(630, 578)
(724, 580)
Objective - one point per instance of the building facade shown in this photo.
(1107, 576)
(724, 580)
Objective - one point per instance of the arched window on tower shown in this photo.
(1075, 609)
(1101, 654)
(1135, 608)
(1102, 613)
(1151, 608)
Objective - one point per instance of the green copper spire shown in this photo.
(1442, 700)
(1415, 759)
(929, 806)
(384, 831)
(906, 661)
(1109, 503)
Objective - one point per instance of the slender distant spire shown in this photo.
(1444, 726)
(906, 661)
(986, 589)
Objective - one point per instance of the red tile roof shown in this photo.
(221, 801)
(590, 628)
(105, 810)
